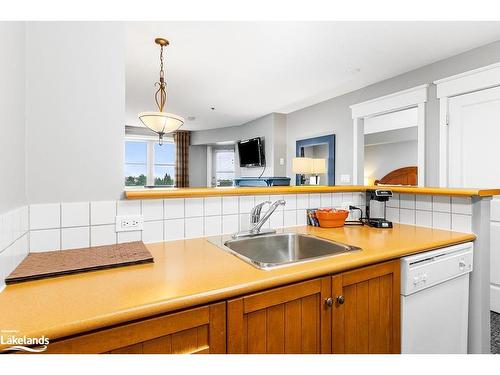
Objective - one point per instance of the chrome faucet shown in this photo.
(256, 222)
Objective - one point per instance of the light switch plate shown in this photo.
(126, 223)
(345, 178)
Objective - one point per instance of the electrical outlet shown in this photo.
(125, 223)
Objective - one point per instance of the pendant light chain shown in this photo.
(161, 93)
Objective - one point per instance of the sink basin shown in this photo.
(276, 250)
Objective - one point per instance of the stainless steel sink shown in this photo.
(276, 250)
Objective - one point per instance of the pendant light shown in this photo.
(161, 122)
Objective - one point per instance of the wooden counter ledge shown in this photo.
(210, 192)
(189, 273)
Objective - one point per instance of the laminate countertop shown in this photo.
(188, 273)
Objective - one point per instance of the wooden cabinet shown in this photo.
(199, 330)
(289, 319)
(352, 312)
(368, 320)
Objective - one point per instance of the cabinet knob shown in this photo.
(340, 300)
(329, 301)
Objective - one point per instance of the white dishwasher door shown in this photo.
(435, 301)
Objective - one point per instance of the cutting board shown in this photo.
(58, 263)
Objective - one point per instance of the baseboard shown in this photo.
(495, 298)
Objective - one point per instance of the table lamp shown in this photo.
(318, 167)
(302, 166)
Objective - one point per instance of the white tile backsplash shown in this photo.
(193, 227)
(153, 231)
(212, 225)
(45, 240)
(230, 224)
(45, 216)
(407, 201)
(246, 204)
(75, 238)
(302, 201)
(129, 236)
(174, 208)
(102, 212)
(314, 201)
(75, 214)
(213, 206)
(193, 207)
(461, 205)
(326, 199)
(407, 216)
(441, 220)
(423, 218)
(230, 205)
(424, 202)
(174, 229)
(101, 235)
(441, 203)
(152, 209)
(66, 225)
(129, 207)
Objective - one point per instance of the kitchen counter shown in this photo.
(211, 192)
(189, 273)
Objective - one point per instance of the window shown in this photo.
(224, 167)
(148, 163)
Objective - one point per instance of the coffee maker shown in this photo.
(379, 195)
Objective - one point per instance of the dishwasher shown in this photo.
(435, 300)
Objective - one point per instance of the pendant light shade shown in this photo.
(161, 122)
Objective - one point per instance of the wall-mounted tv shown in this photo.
(251, 153)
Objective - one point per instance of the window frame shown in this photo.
(150, 158)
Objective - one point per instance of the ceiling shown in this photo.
(246, 70)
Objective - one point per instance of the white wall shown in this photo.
(384, 158)
(334, 115)
(12, 133)
(75, 110)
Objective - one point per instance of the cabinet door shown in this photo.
(366, 310)
(290, 319)
(199, 330)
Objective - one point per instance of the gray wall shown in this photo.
(12, 132)
(198, 166)
(334, 115)
(271, 127)
(384, 158)
(75, 110)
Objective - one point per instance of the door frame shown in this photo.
(464, 83)
(414, 97)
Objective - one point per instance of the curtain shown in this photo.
(182, 140)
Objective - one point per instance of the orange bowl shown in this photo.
(331, 218)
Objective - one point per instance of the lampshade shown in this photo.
(318, 166)
(161, 122)
(301, 165)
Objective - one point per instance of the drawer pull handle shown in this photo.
(340, 300)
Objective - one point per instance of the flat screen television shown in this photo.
(251, 153)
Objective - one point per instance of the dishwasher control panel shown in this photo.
(434, 267)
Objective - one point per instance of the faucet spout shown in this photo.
(256, 228)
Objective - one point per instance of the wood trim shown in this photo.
(235, 327)
(211, 192)
(129, 334)
(338, 317)
(280, 295)
(326, 316)
(217, 328)
(365, 273)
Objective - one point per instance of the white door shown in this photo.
(474, 145)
